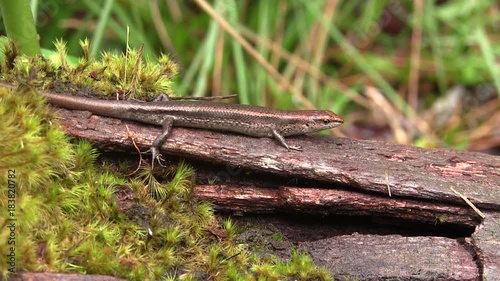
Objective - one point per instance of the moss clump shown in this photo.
(129, 74)
(76, 214)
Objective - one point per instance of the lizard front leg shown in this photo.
(281, 139)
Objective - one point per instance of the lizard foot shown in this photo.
(295, 147)
(155, 156)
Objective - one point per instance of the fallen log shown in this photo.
(358, 165)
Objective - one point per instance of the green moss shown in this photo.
(277, 237)
(440, 219)
(230, 228)
(299, 267)
(128, 75)
(75, 214)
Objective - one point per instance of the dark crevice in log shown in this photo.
(303, 227)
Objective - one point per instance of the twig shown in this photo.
(387, 181)
(416, 40)
(468, 202)
(129, 134)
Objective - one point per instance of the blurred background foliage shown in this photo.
(415, 72)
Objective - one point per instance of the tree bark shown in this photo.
(384, 169)
(251, 199)
(393, 257)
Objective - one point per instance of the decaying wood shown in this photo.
(486, 241)
(253, 199)
(366, 166)
(393, 257)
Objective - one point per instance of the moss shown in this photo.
(128, 75)
(76, 214)
(277, 237)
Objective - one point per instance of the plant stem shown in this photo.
(20, 25)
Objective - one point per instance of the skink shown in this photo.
(248, 120)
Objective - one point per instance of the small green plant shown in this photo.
(299, 267)
(230, 228)
(440, 219)
(277, 237)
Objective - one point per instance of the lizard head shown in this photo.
(308, 121)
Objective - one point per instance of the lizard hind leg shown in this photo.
(157, 143)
